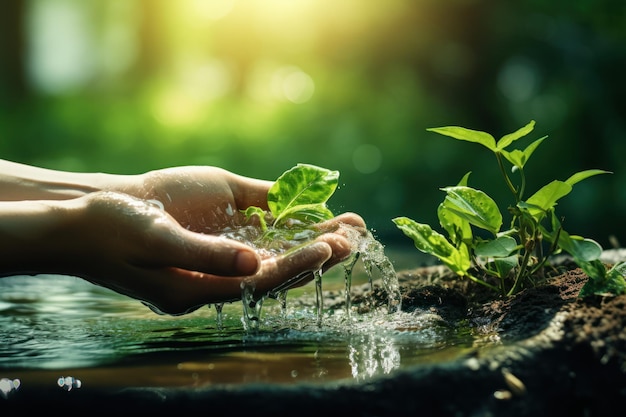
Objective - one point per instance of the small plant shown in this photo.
(509, 260)
(296, 200)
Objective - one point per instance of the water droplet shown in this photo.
(251, 308)
(319, 296)
(220, 318)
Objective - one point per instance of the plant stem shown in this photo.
(481, 282)
(520, 274)
(506, 177)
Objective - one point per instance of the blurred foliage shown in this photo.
(257, 86)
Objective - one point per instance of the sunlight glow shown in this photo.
(175, 109)
(297, 86)
(211, 9)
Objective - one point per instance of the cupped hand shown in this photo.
(133, 247)
(203, 199)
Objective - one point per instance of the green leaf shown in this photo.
(458, 229)
(581, 249)
(519, 158)
(501, 247)
(429, 241)
(302, 185)
(506, 264)
(465, 179)
(256, 211)
(579, 176)
(602, 282)
(474, 206)
(511, 137)
(545, 199)
(620, 267)
(469, 135)
(308, 213)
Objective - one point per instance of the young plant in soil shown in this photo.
(509, 260)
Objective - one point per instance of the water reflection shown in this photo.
(370, 357)
(57, 325)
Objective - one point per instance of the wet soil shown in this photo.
(542, 352)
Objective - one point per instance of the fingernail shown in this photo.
(246, 262)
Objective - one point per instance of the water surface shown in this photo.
(54, 326)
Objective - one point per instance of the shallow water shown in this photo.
(54, 326)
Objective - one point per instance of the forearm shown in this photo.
(25, 182)
(30, 236)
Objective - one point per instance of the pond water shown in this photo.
(59, 326)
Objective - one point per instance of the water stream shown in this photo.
(59, 326)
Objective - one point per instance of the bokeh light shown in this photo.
(257, 86)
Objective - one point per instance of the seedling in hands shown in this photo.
(510, 259)
(296, 200)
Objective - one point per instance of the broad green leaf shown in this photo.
(459, 229)
(519, 158)
(501, 247)
(474, 206)
(506, 265)
(302, 185)
(469, 135)
(308, 213)
(579, 176)
(545, 199)
(595, 270)
(580, 248)
(506, 140)
(431, 242)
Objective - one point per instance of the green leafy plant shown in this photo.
(509, 260)
(296, 200)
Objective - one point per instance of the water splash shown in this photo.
(364, 247)
(251, 308)
(319, 296)
(348, 266)
(281, 297)
(372, 254)
(220, 318)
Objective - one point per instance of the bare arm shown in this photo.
(25, 182)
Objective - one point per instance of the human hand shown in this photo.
(203, 199)
(135, 248)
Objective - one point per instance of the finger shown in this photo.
(177, 291)
(291, 267)
(341, 248)
(209, 254)
(345, 219)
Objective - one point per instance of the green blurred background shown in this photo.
(256, 86)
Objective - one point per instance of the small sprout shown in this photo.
(298, 197)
